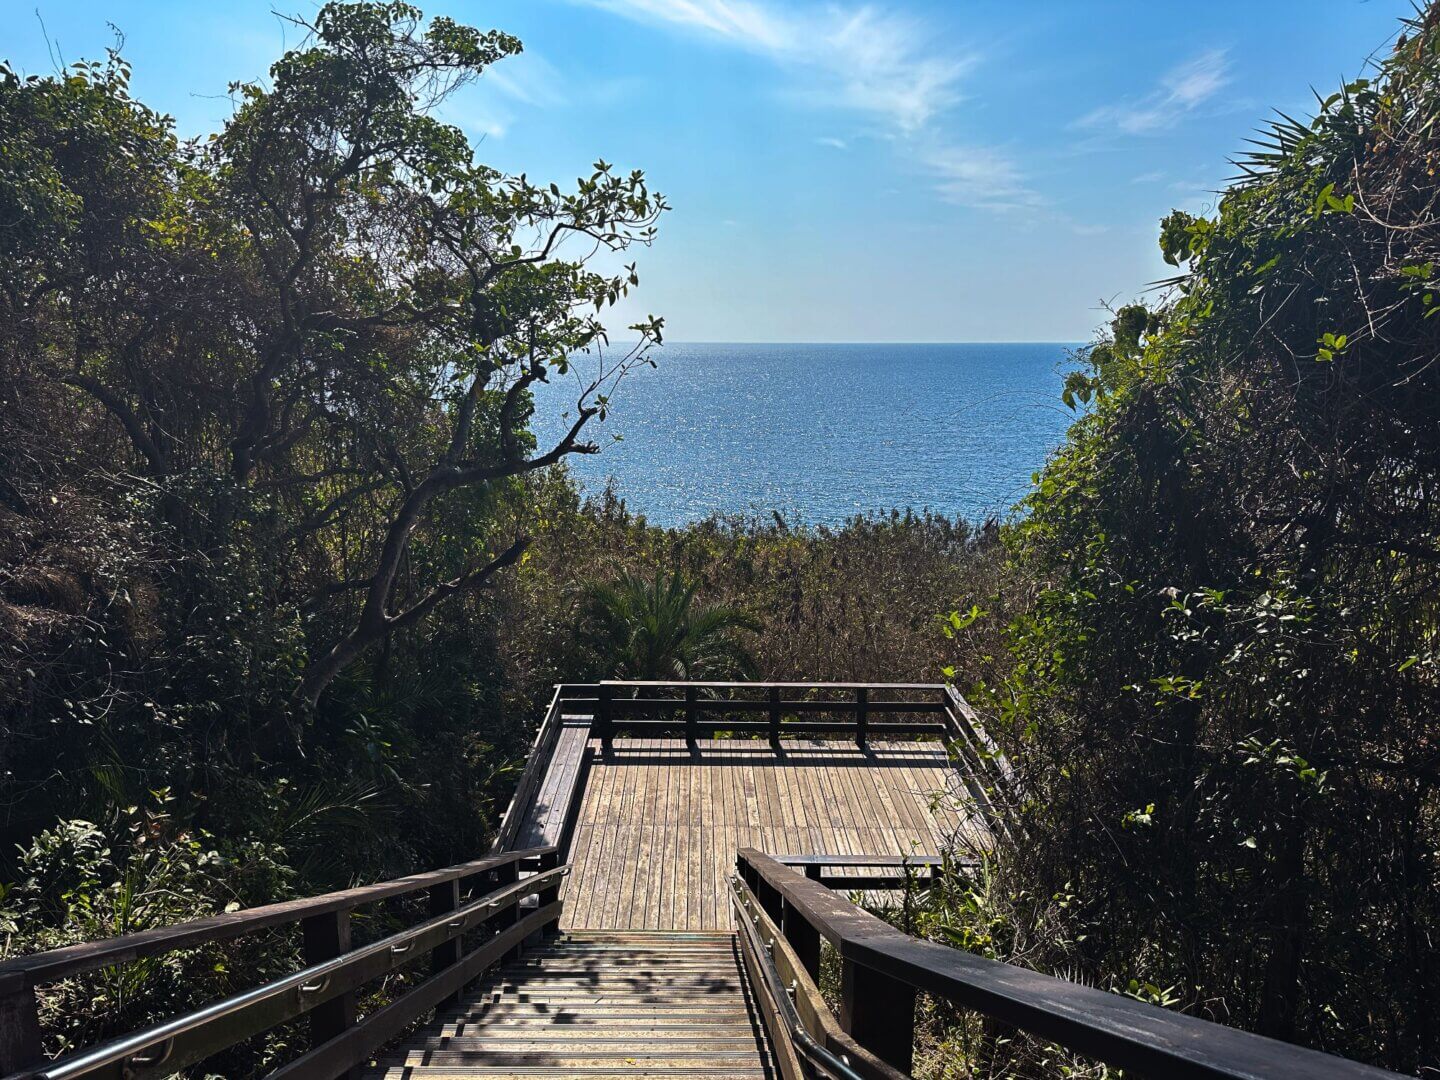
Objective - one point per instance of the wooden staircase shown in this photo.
(598, 1005)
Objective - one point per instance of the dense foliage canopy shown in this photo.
(1222, 703)
(264, 410)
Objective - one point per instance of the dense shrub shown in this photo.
(852, 603)
(1223, 697)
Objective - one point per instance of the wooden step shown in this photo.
(597, 1006)
(579, 1056)
(598, 1027)
(526, 991)
(647, 961)
(733, 1039)
(410, 1072)
(627, 952)
(579, 980)
(570, 1015)
(597, 1003)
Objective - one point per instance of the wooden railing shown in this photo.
(876, 871)
(858, 711)
(477, 916)
(882, 970)
(804, 1038)
(701, 709)
(530, 779)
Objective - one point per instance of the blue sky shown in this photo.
(841, 170)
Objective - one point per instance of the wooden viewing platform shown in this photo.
(629, 921)
(659, 824)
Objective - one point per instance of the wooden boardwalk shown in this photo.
(633, 967)
(658, 826)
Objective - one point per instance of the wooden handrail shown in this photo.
(882, 968)
(535, 767)
(793, 1009)
(795, 705)
(184, 1040)
(987, 774)
(325, 988)
(700, 708)
(38, 968)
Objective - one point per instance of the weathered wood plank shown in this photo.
(659, 824)
(543, 820)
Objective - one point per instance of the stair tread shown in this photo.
(600, 1006)
(453, 1072)
(594, 1006)
(577, 1055)
(619, 1041)
(596, 1027)
(708, 983)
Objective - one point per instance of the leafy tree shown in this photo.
(330, 301)
(653, 628)
(265, 409)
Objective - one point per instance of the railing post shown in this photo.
(812, 871)
(549, 861)
(775, 717)
(862, 716)
(746, 871)
(325, 937)
(803, 938)
(879, 1013)
(692, 717)
(771, 900)
(445, 897)
(603, 722)
(19, 1027)
(506, 917)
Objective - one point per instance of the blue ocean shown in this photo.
(820, 433)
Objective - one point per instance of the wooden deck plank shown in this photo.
(912, 812)
(659, 826)
(818, 816)
(706, 915)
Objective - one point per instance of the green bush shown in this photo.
(1222, 703)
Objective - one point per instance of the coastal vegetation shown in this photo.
(1220, 700)
(286, 578)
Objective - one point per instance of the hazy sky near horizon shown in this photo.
(840, 170)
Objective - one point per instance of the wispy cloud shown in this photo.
(739, 20)
(491, 106)
(529, 79)
(864, 59)
(1180, 91)
(476, 119)
(857, 57)
(979, 176)
(497, 101)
